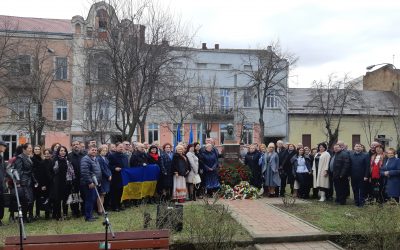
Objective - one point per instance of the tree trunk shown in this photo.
(261, 120)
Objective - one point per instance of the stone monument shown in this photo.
(231, 149)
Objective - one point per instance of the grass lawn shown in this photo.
(347, 218)
(129, 220)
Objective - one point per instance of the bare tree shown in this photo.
(28, 80)
(331, 98)
(141, 50)
(370, 123)
(268, 72)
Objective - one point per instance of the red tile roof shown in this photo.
(30, 24)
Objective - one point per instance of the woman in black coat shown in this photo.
(251, 160)
(43, 175)
(180, 168)
(61, 184)
(36, 160)
(165, 181)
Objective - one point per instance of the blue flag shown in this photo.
(191, 135)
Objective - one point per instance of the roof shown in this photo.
(371, 102)
(36, 25)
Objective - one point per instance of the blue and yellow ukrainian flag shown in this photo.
(139, 182)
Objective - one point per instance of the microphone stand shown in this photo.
(106, 222)
(22, 234)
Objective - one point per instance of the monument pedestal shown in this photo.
(231, 153)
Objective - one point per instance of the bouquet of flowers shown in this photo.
(233, 174)
(240, 192)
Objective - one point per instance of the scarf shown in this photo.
(154, 156)
(376, 167)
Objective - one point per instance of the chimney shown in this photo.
(269, 48)
(165, 42)
(216, 46)
(204, 46)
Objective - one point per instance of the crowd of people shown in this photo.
(55, 180)
(374, 175)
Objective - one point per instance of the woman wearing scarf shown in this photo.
(180, 168)
(377, 182)
(63, 177)
(154, 158)
(165, 182)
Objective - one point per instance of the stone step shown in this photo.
(309, 245)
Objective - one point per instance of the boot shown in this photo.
(323, 198)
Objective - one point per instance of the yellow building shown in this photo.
(364, 120)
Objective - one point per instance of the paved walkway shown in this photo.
(268, 224)
(310, 245)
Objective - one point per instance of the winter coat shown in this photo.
(24, 165)
(61, 188)
(2, 174)
(194, 168)
(393, 180)
(43, 173)
(75, 159)
(271, 165)
(359, 166)
(180, 165)
(318, 176)
(252, 161)
(138, 159)
(210, 160)
(286, 165)
(90, 167)
(105, 173)
(166, 174)
(117, 159)
(308, 161)
(341, 165)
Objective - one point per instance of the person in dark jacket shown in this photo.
(44, 177)
(3, 147)
(251, 160)
(23, 165)
(36, 160)
(75, 157)
(106, 178)
(117, 161)
(359, 174)
(64, 175)
(166, 178)
(391, 172)
(139, 157)
(180, 168)
(286, 171)
(339, 165)
(302, 172)
(90, 170)
(153, 157)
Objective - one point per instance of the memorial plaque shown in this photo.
(231, 153)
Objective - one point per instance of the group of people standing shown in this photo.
(374, 175)
(55, 180)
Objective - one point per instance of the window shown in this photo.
(103, 73)
(247, 137)
(306, 140)
(174, 133)
(23, 108)
(103, 110)
(224, 94)
(61, 110)
(225, 66)
(222, 132)
(201, 65)
(272, 100)
(102, 16)
(201, 100)
(247, 97)
(152, 132)
(11, 141)
(21, 66)
(247, 67)
(355, 139)
(61, 68)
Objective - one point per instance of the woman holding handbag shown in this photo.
(193, 177)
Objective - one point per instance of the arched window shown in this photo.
(77, 28)
(102, 18)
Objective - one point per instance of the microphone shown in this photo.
(94, 179)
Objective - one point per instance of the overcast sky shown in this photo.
(329, 36)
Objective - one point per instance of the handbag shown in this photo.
(196, 180)
(74, 198)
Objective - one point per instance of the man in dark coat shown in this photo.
(117, 161)
(90, 170)
(339, 165)
(359, 174)
(75, 157)
(3, 147)
(139, 157)
(281, 151)
(285, 169)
